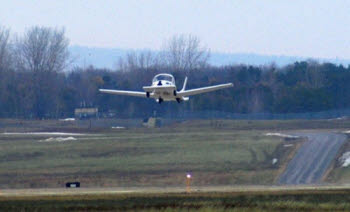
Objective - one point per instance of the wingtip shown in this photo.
(103, 90)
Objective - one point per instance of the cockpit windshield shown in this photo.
(166, 77)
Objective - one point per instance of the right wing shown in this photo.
(191, 92)
(126, 93)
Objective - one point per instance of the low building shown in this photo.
(84, 113)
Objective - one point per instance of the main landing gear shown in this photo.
(147, 94)
(177, 99)
(160, 100)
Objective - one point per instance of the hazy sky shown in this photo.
(311, 28)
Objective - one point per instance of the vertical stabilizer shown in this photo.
(185, 82)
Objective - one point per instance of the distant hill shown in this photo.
(108, 57)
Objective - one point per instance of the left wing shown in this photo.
(127, 93)
(203, 90)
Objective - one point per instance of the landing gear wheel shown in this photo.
(175, 93)
(160, 100)
(178, 100)
(147, 94)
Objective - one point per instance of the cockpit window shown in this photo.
(163, 77)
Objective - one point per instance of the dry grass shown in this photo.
(142, 157)
(277, 200)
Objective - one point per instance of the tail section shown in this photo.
(183, 89)
(184, 86)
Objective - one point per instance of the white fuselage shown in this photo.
(161, 90)
(164, 92)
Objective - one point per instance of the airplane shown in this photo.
(163, 88)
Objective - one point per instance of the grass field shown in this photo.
(103, 124)
(275, 200)
(215, 155)
(216, 152)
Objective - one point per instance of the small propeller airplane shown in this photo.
(163, 88)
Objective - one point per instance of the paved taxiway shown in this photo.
(313, 158)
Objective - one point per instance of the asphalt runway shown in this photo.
(313, 158)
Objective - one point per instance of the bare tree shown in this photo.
(181, 52)
(5, 62)
(5, 52)
(43, 49)
(141, 60)
(43, 52)
(184, 52)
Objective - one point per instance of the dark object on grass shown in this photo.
(73, 185)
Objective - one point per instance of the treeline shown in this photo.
(300, 87)
(37, 82)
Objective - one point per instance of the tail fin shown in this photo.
(185, 82)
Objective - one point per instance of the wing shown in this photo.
(126, 93)
(203, 90)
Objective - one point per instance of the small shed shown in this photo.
(152, 122)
